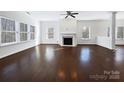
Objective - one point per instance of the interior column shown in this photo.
(113, 29)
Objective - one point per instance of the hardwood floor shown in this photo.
(52, 63)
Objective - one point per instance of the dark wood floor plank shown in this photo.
(52, 63)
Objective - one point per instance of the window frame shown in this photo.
(27, 32)
(49, 33)
(117, 33)
(16, 32)
(32, 32)
(89, 33)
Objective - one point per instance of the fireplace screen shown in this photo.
(67, 40)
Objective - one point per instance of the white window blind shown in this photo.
(86, 33)
(32, 32)
(8, 33)
(120, 33)
(23, 32)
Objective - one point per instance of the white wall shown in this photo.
(44, 25)
(20, 17)
(99, 31)
(93, 24)
(97, 28)
(104, 42)
(103, 24)
(102, 37)
(120, 23)
(103, 27)
(68, 25)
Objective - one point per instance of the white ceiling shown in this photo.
(83, 15)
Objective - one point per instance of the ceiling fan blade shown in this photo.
(74, 13)
(68, 12)
(72, 16)
(66, 16)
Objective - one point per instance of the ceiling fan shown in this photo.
(28, 13)
(70, 13)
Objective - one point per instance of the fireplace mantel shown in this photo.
(68, 34)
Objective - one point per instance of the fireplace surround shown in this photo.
(68, 39)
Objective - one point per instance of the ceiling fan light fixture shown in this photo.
(70, 13)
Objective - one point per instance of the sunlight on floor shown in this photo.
(37, 52)
(57, 49)
(49, 54)
(119, 55)
(85, 55)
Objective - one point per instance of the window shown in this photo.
(50, 33)
(86, 33)
(8, 33)
(23, 32)
(32, 32)
(120, 33)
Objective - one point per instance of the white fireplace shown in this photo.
(68, 39)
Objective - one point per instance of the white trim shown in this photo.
(7, 18)
(28, 32)
(72, 35)
(68, 45)
(34, 32)
(86, 38)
